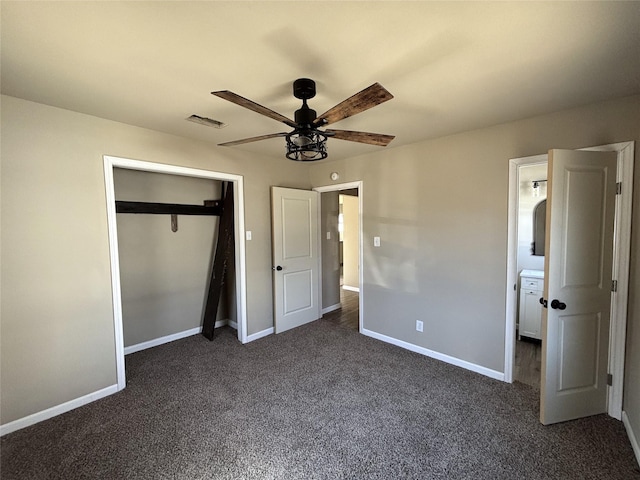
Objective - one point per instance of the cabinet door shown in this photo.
(531, 313)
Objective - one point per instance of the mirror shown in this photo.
(539, 222)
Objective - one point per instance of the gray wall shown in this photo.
(440, 208)
(164, 275)
(329, 210)
(631, 403)
(57, 340)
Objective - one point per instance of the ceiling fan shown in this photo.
(307, 142)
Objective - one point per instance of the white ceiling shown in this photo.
(452, 66)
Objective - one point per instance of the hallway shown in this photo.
(347, 316)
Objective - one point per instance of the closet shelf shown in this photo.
(211, 207)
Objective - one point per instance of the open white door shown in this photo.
(296, 263)
(578, 271)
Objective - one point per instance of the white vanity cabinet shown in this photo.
(530, 318)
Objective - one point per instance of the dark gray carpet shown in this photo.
(317, 402)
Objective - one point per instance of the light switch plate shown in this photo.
(248, 233)
(376, 241)
(328, 235)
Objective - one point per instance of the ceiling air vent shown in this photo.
(209, 122)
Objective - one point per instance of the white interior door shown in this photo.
(296, 262)
(578, 275)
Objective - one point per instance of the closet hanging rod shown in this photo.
(211, 207)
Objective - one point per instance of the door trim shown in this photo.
(621, 259)
(240, 258)
(333, 188)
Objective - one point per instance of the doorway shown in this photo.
(240, 263)
(622, 235)
(532, 194)
(341, 253)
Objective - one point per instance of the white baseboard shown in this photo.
(256, 336)
(351, 289)
(78, 402)
(632, 436)
(57, 410)
(438, 356)
(331, 308)
(170, 338)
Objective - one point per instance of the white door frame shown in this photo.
(333, 188)
(240, 259)
(621, 259)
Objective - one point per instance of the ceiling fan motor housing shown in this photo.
(305, 116)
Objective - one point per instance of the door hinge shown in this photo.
(619, 188)
(614, 286)
(609, 379)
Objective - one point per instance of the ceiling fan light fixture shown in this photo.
(306, 146)
(302, 140)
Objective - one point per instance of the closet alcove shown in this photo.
(165, 262)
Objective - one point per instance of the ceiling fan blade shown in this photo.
(363, 137)
(252, 139)
(361, 101)
(251, 105)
